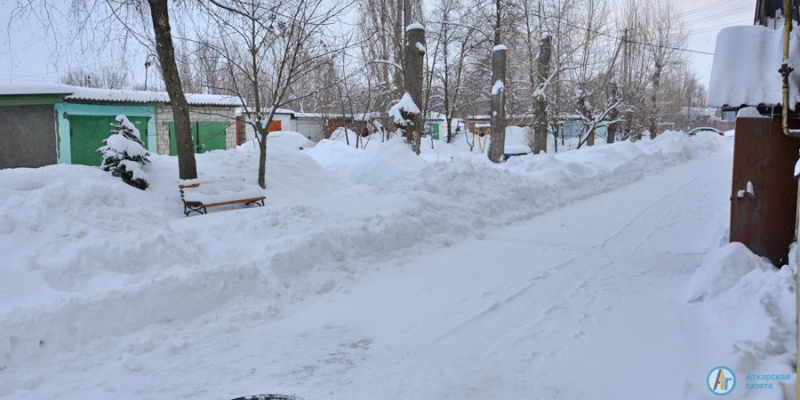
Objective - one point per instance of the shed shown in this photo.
(283, 120)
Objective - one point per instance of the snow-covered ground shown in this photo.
(377, 274)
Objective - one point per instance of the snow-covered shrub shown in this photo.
(124, 154)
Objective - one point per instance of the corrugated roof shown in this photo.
(115, 95)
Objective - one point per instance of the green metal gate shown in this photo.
(87, 132)
(206, 136)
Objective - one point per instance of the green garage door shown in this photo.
(87, 132)
(206, 136)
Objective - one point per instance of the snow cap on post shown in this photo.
(415, 25)
(500, 47)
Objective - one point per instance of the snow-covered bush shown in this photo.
(124, 154)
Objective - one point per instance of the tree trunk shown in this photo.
(611, 130)
(540, 100)
(399, 32)
(187, 167)
(654, 99)
(498, 114)
(415, 41)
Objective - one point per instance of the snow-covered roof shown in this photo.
(745, 68)
(14, 89)
(115, 95)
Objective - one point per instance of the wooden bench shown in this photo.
(197, 195)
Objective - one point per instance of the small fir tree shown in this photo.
(124, 154)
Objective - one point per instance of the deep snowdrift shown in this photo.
(89, 257)
(754, 303)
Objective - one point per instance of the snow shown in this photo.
(221, 191)
(745, 67)
(115, 95)
(378, 274)
(405, 105)
(121, 145)
(500, 47)
(420, 47)
(414, 26)
(497, 87)
(749, 112)
(756, 303)
(721, 269)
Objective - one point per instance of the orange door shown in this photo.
(274, 126)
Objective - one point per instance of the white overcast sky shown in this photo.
(29, 54)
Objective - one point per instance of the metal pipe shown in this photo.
(786, 69)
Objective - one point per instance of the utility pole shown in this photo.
(613, 88)
(626, 81)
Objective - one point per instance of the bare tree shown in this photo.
(664, 36)
(100, 77)
(453, 39)
(267, 47)
(159, 12)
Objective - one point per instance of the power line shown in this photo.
(717, 27)
(722, 14)
(632, 41)
(704, 8)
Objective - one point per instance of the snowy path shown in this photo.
(575, 303)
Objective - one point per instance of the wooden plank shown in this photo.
(236, 201)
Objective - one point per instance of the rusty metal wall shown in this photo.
(764, 220)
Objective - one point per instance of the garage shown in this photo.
(28, 136)
(206, 136)
(87, 133)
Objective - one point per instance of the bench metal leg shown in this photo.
(259, 203)
(188, 209)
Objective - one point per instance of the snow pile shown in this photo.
(223, 190)
(749, 112)
(517, 140)
(721, 269)
(746, 63)
(81, 246)
(405, 106)
(382, 162)
(279, 142)
(753, 306)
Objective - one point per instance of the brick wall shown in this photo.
(196, 113)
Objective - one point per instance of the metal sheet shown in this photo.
(764, 220)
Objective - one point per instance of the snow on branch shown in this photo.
(497, 87)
